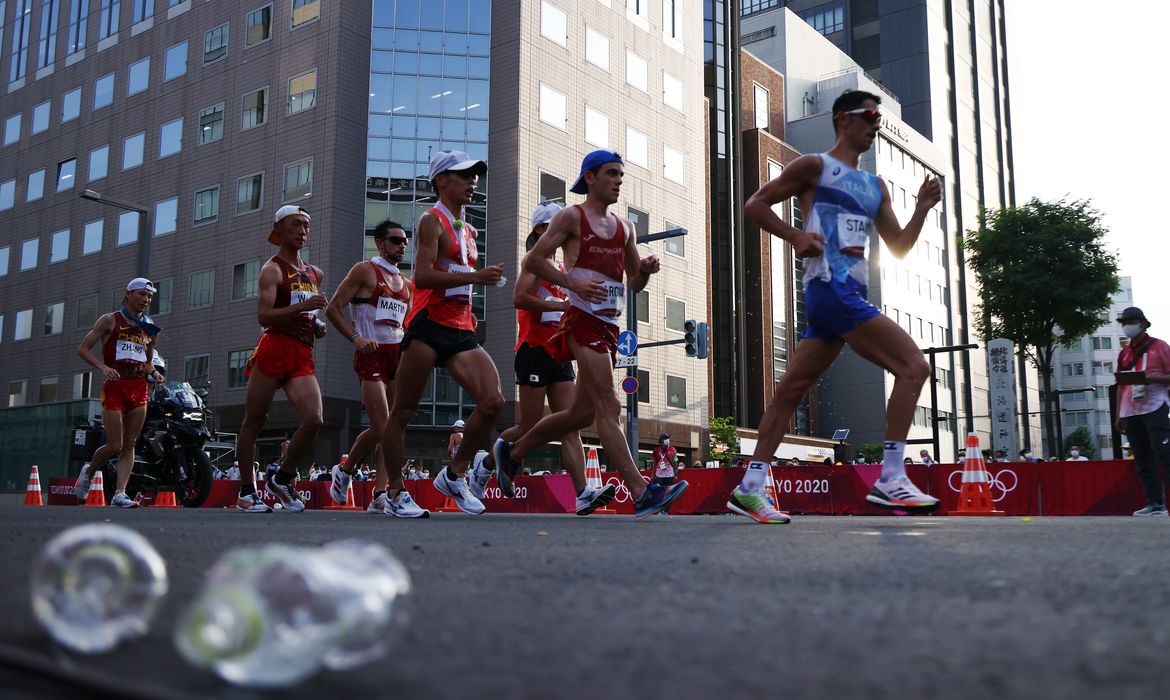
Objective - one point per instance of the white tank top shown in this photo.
(381, 317)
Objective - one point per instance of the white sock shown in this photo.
(753, 478)
(892, 465)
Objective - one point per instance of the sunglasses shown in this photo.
(871, 116)
(396, 240)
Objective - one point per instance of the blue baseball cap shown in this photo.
(593, 160)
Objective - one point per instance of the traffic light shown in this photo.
(704, 337)
(691, 333)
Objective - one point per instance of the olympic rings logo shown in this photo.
(623, 492)
(1005, 481)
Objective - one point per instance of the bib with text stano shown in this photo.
(551, 318)
(852, 234)
(130, 351)
(390, 311)
(615, 300)
(299, 296)
(462, 293)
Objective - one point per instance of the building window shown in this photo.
(676, 314)
(826, 18)
(160, 305)
(640, 220)
(637, 147)
(638, 7)
(78, 24)
(1072, 369)
(215, 43)
(596, 128)
(259, 26)
(237, 363)
(552, 188)
(197, 369)
(554, 23)
(47, 47)
(246, 280)
(17, 393)
(255, 109)
(132, 148)
(66, 174)
(672, 18)
(302, 92)
(12, 129)
(71, 105)
(552, 107)
(103, 91)
(21, 24)
(138, 78)
(760, 95)
(28, 253)
(298, 180)
(249, 192)
(1102, 343)
(643, 386)
(211, 124)
(207, 205)
(91, 240)
(676, 392)
(202, 286)
(304, 11)
(142, 11)
(642, 301)
(83, 385)
(672, 91)
(672, 164)
(128, 227)
(23, 326)
(48, 393)
(678, 244)
(4, 261)
(597, 48)
(59, 249)
(36, 186)
(87, 311)
(166, 216)
(1100, 368)
(7, 194)
(40, 116)
(176, 63)
(170, 138)
(637, 71)
(54, 318)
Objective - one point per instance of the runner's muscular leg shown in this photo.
(414, 371)
(257, 400)
(530, 409)
(374, 399)
(112, 422)
(578, 414)
(475, 372)
(887, 345)
(809, 361)
(560, 397)
(132, 422)
(305, 395)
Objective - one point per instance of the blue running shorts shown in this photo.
(835, 308)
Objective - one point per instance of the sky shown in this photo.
(1090, 111)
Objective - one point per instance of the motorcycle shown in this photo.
(169, 451)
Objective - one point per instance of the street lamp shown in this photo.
(143, 227)
(1059, 423)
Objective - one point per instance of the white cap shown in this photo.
(544, 213)
(458, 424)
(140, 283)
(285, 211)
(158, 360)
(444, 161)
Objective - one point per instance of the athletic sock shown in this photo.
(892, 465)
(247, 489)
(378, 493)
(753, 478)
(451, 475)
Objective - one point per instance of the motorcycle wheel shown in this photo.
(192, 492)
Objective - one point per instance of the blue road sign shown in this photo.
(630, 385)
(627, 343)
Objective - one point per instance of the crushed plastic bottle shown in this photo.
(96, 585)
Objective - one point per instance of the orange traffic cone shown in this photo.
(97, 491)
(32, 494)
(165, 499)
(975, 493)
(593, 476)
(350, 503)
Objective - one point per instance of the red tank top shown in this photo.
(381, 316)
(125, 348)
(604, 255)
(296, 285)
(538, 327)
(449, 307)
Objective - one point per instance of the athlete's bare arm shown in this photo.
(638, 269)
(98, 334)
(799, 179)
(433, 242)
(901, 240)
(359, 282)
(524, 295)
(269, 281)
(564, 228)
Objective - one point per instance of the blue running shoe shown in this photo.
(506, 467)
(656, 497)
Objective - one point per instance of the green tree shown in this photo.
(724, 440)
(1082, 438)
(873, 451)
(1045, 278)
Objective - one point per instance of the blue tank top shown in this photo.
(843, 211)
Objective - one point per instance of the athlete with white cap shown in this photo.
(456, 438)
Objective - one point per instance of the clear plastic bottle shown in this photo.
(96, 585)
(375, 590)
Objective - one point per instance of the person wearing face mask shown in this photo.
(1143, 406)
(665, 461)
(1074, 454)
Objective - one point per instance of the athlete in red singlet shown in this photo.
(378, 296)
(127, 338)
(600, 254)
(440, 328)
(290, 295)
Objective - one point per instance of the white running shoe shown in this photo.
(403, 506)
(339, 488)
(459, 491)
(900, 494)
(287, 495)
(1151, 511)
(121, 500)
(252, 503)
(378, 505)
(756, 505)
(84, 480)
(593, 498)
(478, 476)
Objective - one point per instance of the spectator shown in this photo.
(860, 459)
(456, 439)
(313, 472)
(1074, 454)
(664, 461)
(1142, 401)
(828, 462)
(907, 460)
(1026, 456)
(426, 474)
(925, 457)
(234, 471)
(1000, 456)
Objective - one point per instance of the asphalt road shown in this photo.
(523, 606)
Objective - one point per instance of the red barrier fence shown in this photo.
(1018, 488)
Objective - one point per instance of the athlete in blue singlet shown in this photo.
(844, 205)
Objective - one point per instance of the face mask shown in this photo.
(1132, 330)
(665, 443)
(1027, 455)
(1075, 453)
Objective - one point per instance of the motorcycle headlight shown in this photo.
(193, 416)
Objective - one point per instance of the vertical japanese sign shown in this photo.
(1001, 369)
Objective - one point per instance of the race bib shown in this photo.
(664, 469)
(852, 234)
(129, 351)
(461, 293)
(390, 311)
(615, 300)
(551, 318)
(299, 296)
